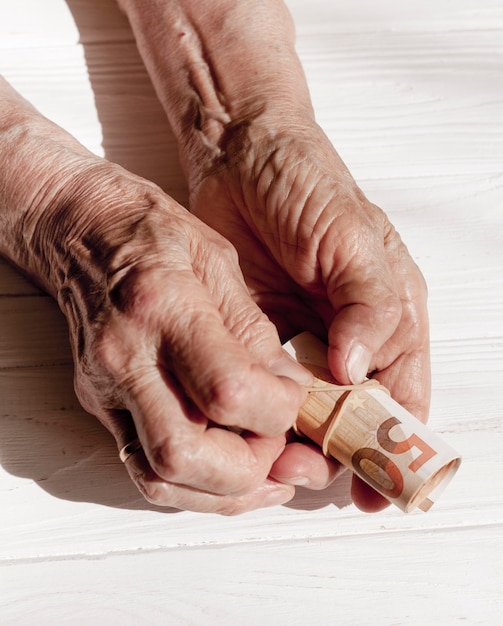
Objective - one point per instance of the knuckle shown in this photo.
(415, 327)
(108, 352)
(233, 506)
(151, 486)
(390, 310)
(118, 353)
(229, 251)
(226, 399)
(253, 328)
(221, 251)
(96, 374)
(170, 461)
(237, 401)
(153, 491)
(158, 492)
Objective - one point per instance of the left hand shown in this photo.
(318, 256)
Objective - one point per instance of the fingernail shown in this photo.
(297, 481)
(278, 496)
(288, 366)
(358, 363)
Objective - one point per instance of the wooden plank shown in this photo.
(402, 578)
(65, 493)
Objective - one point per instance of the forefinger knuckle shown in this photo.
(172, 461)
(389, 310)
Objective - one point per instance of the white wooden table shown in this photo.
(411, 93)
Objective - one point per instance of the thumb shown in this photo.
(368, 309)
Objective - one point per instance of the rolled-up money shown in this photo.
(367, 431)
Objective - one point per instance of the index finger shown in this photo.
(381, 326)
(403, 364)
(182, 447)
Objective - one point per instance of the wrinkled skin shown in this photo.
(174, 338)
(317, 255)
(169, 345)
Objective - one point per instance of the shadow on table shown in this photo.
(48, 438)
(337, 494)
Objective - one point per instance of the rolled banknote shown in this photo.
(367, 431)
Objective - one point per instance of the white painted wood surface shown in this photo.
(411, 93)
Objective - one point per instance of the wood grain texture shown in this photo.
(411, 94)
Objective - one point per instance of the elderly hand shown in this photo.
(167, 343)
(317, 255)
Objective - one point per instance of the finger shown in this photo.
(260, 336)
(120, 423)
(182, 449)
(365, 299)
(217, 370)
(408, 376)
(165, 494)
(408, 380)
(304, 465)
(366, 498)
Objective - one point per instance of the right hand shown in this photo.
(169, 346)
(318, 256)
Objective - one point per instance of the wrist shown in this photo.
(225, 73)
(80, 230)
(51, 193)
(38, 192)
(38, 163)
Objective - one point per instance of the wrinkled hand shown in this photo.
(317, 255)
(169, 345)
